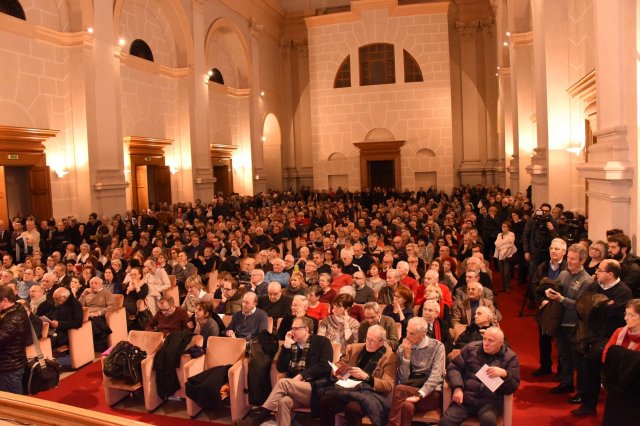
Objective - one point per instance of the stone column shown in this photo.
(488, 91)
(506, 139)
(611, 169)
(523, 103)
(198, 181)
(473, 124)
(553, 103)
(256, 111)
(101, 183)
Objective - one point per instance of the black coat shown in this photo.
(167, 359)
(622, 380)
(15, 336)
(318, 357)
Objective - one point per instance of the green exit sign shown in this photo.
(13, 157)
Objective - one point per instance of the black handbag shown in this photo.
(40, 374)
(124, 362)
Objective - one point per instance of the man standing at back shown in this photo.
(15, 336)
(620, 250)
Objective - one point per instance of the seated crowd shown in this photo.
(401, 284)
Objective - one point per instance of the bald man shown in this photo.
(470, 396)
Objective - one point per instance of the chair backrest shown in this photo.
(270, 324)
(337, 352)
(216, 302)
(45, 330)
(148, 341)
(223, 351)
(399, 326)
(119, 298)
(226, 320)
(172, 280)
(85, 314)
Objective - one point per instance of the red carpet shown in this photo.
(533, 404)
(84, 389)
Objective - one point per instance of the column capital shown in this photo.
(467, 30)
(521, 39)
(255, 28)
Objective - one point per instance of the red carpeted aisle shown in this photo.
(84, 389)
(533, 404)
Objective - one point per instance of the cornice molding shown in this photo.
(37, 32)
(360, 6)
(152, 67)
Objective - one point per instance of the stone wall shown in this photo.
(419, 112)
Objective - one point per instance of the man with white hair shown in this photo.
(470, 396)
(278, 273)
(257, 284)
(361, 259)
(66, 315)
(475, 264)
(346, 255)
(420, 374)
(464, 311)
(411, 283)
(99, 301)
(437, 328)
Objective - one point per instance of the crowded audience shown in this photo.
(416, 268)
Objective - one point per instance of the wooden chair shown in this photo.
(117, 321)
(222, 351)
(216, 302)
(81, 342)
(115, 389)
(226, 320)
(173, 291)
(45, 344)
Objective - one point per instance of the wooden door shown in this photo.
(4, 203)
(162, 180)
(40, 182)
(142, 188)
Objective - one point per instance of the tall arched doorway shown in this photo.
(272, 152)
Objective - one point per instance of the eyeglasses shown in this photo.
(226, 289)
(369, 340)
(298, 328)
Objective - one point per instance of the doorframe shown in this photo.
(23, 147)
(379, 151)
(144, 151)
(222, 155)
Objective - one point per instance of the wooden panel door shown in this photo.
(4, 203)
(40, 182)
(162, 177)
(142, 188)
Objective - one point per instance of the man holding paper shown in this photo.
(480, 367)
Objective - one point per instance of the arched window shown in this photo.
(377, 64)
(343, 76)
(12, 8)
(216, 76)
(141, 49)
(412, 72)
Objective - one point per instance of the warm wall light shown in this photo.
(61, 173)
(508, 34)
(90, 30)
(210, 73)
(173, 170)
(505, 44)
(121, 41)
(264, 138)
(262, 93)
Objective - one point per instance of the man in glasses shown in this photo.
(304, 358)
(249, 321)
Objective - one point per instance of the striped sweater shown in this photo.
(428, 357)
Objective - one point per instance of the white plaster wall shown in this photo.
(149, 104)
(35, 91)
(50, 13)
(144, 19)
(419, 113)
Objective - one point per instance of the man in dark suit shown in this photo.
(5, 239)
(304, 358)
